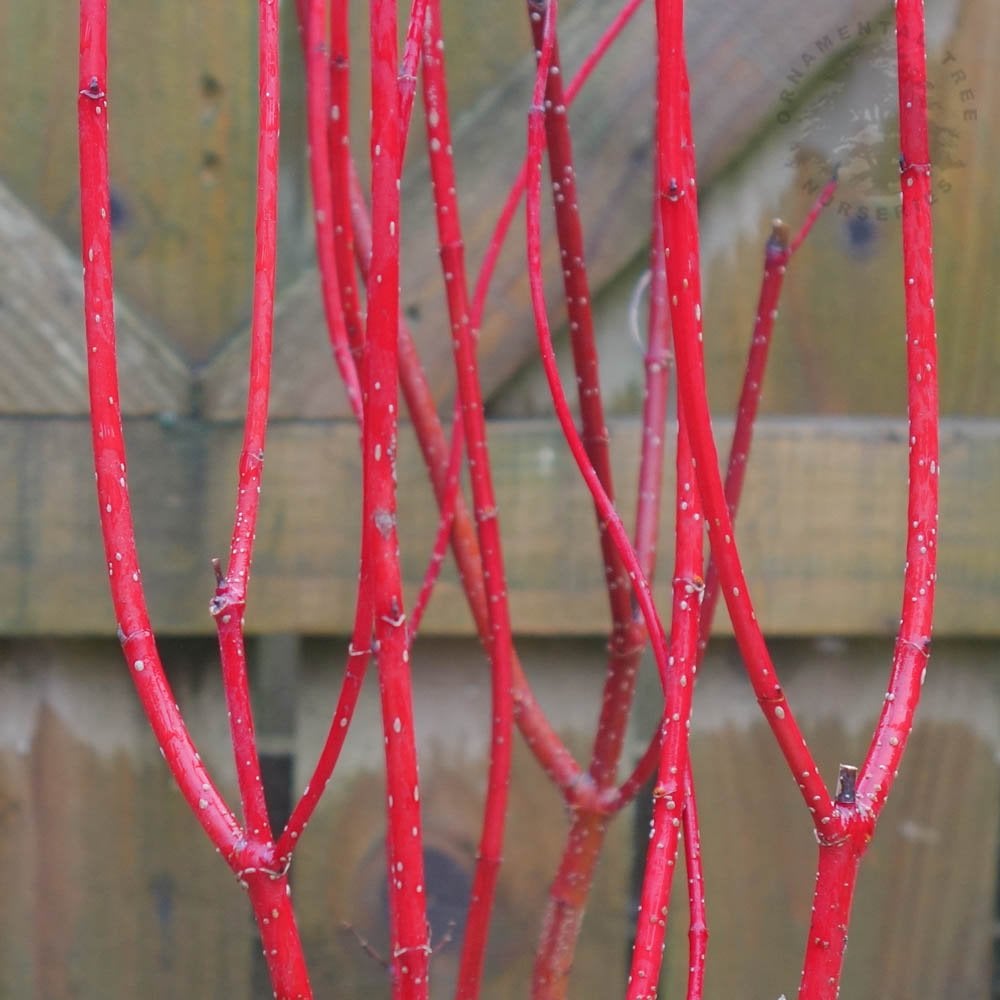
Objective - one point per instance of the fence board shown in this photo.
(923, 911)
(821, 527)
(112, 891)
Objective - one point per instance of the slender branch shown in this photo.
(446, 519)
(249, 854)
(228, 606)
(778, 253)
(909, 665)
(861, 799)
(552, 754)
(553, 937)
(576, 289)
(698, 920)
(609, 515)
(673, 779)
(343, 181)
(675, 169)
(317, 62)
(358, 657)
(777, 256)
(380, 559)
(549, 750)
(836, 876)
(570, 889)
(658, 362)
(500, 644)
(508, 212)
(117, 526)
(270, 896)
(412, 50)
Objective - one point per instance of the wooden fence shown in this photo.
(109, 889)
(104, 869)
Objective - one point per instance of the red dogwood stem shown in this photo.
(509, 210)
(250, 856)
(541, 738)
(570, 888)
(658, 362)
(342, 177)
(679, 205)
(229, 603)
(777, 255)
(358, 656)
(552, 754)
(669, 795)
(318, 117)
(836, 876)
(914, 637)
(446, 519)
(550, 975)
(697, 918)
(266, 881)
(500, 643)
(412, 51)
(117, 526)
(405, 867)
(859, 809)
(272, 905)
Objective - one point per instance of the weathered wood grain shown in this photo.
(111, 889)
(738, 65)
(922, 917)
(183, 151)
(454, 752)
(821, 527)
(114, 892)
(838, 343)
(44, 369)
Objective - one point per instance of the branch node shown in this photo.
(847, 783)
(93, 90)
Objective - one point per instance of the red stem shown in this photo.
(271, 899)
(541, 738)
(658, 362)
(909, 665)
(317, 63)
(552, 754)
(310, 16)
(412, 51)
(605, 507)
(500, 644)
(342, 177)
(675, 168)
(358, 656)
(117, 526)
(698, 921)
(509, 210)
(266, 881)
(777, 255)
(408, 921)
(859, 808)
(576, 288)
(671, 785)
(250, 856)
(570, 889)
(554, 938)
(228, 606)
(776, 258)
(836, 877)
(446, 518)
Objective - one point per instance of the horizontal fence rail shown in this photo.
(812, 480)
